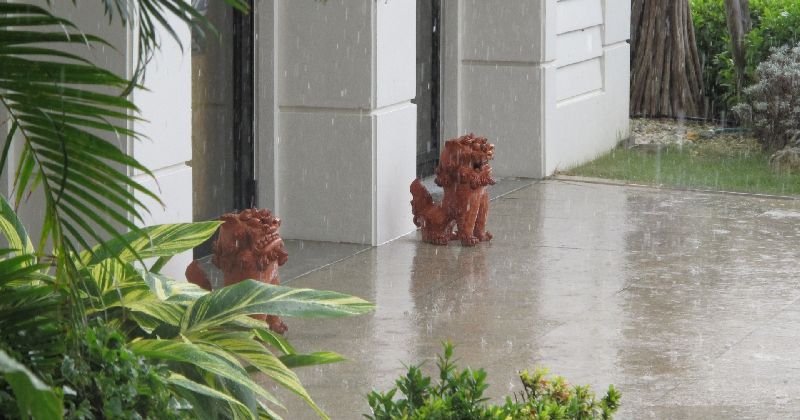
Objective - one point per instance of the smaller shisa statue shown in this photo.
(248, 247)
(463, 173)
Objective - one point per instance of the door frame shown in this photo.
(244, 181)
(427, 161)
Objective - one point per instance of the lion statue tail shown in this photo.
(421, 200)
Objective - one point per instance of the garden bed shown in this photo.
(687, 154)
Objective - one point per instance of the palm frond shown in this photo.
(71, 118)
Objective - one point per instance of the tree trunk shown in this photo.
(737, 15)
(666, 78)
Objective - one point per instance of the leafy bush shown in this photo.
(775, 23)
(208, 338)
(459, 395)
(108, 380)
(772, 105)
(105, 379)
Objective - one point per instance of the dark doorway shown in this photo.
(428, 85)
(244, 185)
(222, 115)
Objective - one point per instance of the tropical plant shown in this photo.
(459, 395)
(209, 341)
(69, 295)
(772, 104)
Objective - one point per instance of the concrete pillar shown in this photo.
(344, 126)
(503, 64)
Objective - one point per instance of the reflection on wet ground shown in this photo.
(688, 302)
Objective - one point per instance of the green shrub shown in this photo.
(107, 380)
(104, 379)
(459, 395)
(772, 105)
(775, 23)
(713, 45)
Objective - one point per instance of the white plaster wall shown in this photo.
(502, 103)
(545, 80)
(590, 112)
(502, 30)
(166, 109)
(325, 53)
(395, 55)
(501, 57)
(586, 127)
(324, 166)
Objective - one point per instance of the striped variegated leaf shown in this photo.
(243, 346)
(166, 288)
(153, 241)
(105, 276)
(252, 297)
(166, 312)
(181, 381)
(192, 355)
(311, 359)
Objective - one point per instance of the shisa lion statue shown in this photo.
(248, 247)
(463, 173)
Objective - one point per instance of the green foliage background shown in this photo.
(775, 23)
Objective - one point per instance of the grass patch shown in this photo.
(694, 166)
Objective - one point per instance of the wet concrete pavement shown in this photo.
(688, 302)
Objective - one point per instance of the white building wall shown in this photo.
(592, 81)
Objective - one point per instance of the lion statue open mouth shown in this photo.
(463, 173)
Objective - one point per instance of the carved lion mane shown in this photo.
(249, 241)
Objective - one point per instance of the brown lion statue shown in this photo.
(463, 173)
(248, 247)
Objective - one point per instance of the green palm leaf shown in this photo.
(69, 116)
(34, 398)
(252, 297)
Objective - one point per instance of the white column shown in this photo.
(166, 108)
(502, 76)
(344, 128)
